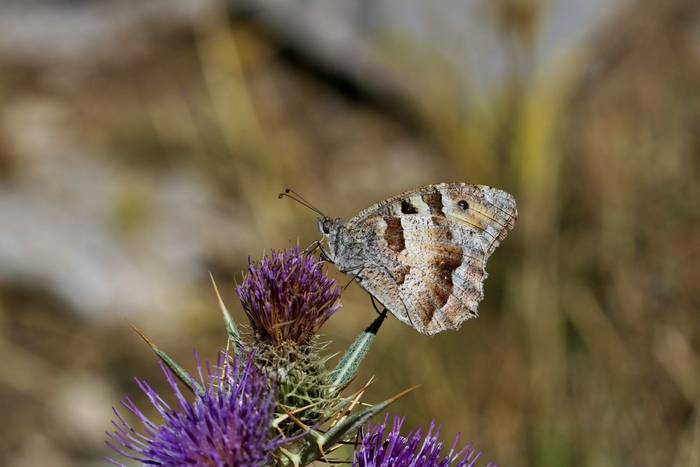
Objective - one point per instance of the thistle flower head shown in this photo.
(414, 449)
(287, 296)
(227, 425)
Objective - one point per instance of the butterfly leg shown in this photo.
(324, 256)
(376, 308)
(353, 278)
(377, 323)
(315, 245)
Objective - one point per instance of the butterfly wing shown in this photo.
(426, 251)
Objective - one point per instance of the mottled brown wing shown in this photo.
(427, 256)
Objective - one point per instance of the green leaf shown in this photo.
(289, 457)
(180, 372)
(349, 363)
(231, 328)
(315, 448)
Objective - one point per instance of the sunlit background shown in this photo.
(143, 144)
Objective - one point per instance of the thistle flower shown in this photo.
(228, 424)
(414, 449)
(287, 296)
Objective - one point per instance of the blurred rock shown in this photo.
(104, 239)
(76, 33)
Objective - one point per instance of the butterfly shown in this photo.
(423, 253)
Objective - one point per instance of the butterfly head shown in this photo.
(330, 228)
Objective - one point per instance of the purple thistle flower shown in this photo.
(287, 296)
(414, 449)
(228, 425)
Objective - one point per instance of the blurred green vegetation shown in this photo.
(585, 353)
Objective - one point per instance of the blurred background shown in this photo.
(143, 144)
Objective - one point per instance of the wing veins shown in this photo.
(424, 242)
(505, 226)
(454, 285)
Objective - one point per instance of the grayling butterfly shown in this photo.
(423, 253)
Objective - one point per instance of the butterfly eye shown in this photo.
(463, 205)
(326, 228)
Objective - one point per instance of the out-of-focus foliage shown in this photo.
(129, 171)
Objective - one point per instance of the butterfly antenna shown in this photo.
(289, 190)
(301, 200)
